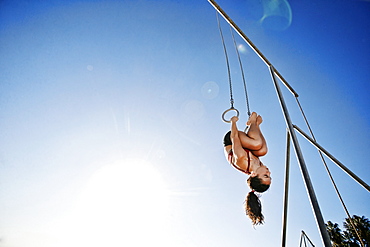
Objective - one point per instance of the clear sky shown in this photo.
(110, 118)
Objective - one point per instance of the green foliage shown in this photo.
(348, 237)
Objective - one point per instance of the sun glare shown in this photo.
(123, 204)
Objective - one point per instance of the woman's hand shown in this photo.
(234, 119)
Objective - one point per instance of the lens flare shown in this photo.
(210, 90)
(242, 49)
(277, 15)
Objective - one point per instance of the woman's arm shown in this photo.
(239, 153)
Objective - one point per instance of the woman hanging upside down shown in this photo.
(243, 150)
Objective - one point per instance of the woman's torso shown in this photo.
(246, 164)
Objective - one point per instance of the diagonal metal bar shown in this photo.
(250, 43)
(330, 175)
(309, 240)
(332, 158)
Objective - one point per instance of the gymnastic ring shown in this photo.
(231, 109)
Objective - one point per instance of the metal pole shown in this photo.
(308, 238)
(332, 158)
(301, 240)
(306, 177)
(249, 42)
(286, 190)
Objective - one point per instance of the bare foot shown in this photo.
(259, 120)
(252, 118)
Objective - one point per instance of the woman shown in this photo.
(243, 150)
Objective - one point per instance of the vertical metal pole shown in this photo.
(286, 190)
(312, 196)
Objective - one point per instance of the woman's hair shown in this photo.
(253, 207)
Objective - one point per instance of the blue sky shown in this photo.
(110, 114)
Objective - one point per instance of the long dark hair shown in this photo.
(253, 207)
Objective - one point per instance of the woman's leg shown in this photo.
(254, 140)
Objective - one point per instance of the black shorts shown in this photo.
(227, 139)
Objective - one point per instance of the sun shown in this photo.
(123, 204)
